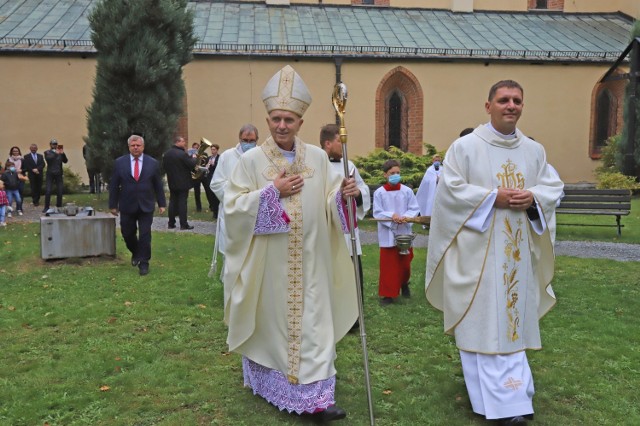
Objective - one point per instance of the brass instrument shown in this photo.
(202, 159)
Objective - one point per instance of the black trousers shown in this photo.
(93, 180)
(214, 203)
(178, 207)
(136, 231)
(53, 179)
(196, 194)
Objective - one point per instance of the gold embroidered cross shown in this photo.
(512, 384)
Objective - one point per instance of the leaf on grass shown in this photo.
(386, 392)
(458, 398)
(201, 306)
(111, 320)
(118, 358)
(225, 353)
(105, 388)
(44, 277)
(127, 303)
(11, 308)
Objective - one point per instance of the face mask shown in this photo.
(436, 165)
(394, 179)
(246, 146)
(13, 169)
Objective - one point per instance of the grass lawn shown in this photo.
(89, 341)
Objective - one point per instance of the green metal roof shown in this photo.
(257, 29)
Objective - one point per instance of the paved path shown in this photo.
(583, 249)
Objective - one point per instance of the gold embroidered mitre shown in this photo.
(286, 91)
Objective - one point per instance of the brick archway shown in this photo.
(613, 121)
(402, 82)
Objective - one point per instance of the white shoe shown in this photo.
(19, 212)
(9, 214)
(9, 209)
(3, 224)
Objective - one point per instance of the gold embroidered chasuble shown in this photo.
(492, 286)
(289, 297)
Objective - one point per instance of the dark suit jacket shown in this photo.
(28, 164)
(211, 169)
(54, 161)
(127, 195)
(178, 165)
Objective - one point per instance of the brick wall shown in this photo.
(183, 122)
(551, 4)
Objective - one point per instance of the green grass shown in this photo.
(69, 328)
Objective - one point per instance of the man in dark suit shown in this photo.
(33, 166)
(55, 157)
(178, 165)
(136, 185)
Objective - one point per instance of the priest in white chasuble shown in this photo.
(490, 258)
(289, 286)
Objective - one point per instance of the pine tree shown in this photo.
(624, 142)
(142, 46)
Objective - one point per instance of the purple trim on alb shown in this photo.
(272, 218)
(342, 212)
(273, 386)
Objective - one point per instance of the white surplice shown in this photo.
(427, 190)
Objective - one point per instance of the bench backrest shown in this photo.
(596, 199)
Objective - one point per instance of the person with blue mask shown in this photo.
(427, 189)
(396, 202)
(248, 139)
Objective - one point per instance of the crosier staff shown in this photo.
(339, 99)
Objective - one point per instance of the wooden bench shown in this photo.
(611, 202)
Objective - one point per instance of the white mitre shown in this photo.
(286, 91)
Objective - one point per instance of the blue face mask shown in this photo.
(436, 165)
(13, 169)
(246, 146)
(395, 179)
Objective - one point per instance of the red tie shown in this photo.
(136, 170)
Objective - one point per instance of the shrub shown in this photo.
(608, 157)
(616, 180)
(412, 166)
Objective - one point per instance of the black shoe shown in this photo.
(517, 420)
(46, 209)
(386, 301)
(405, 291)
(172, 226)
(186, 227)
(134, 261)
(332, 413)
(144, 268)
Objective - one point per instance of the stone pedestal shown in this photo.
(64, 236)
